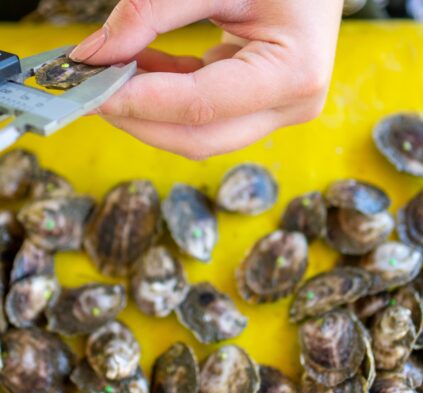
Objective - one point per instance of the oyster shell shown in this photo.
(113, 351)
(273, 381)
(176, 371)
(191, 221)
(158, 284)
(399, 138)
(332, 347)
(63, 73)
(409, 222)
(34, 361)
(229, 370)
(353, 233)
(210, 315)
(28, 298)
(84, 309)
(123, 227)
(387, 382)
(3, 288)
(355, 384)
(328, 290)
(366, 307)
(48, 184)
(409, 298)
(413, 371)
(306, 214)
(17, 170)
(247, 189)
(273, 268)
(57, 224)
(11, 233)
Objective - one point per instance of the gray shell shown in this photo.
(409, 222)
(391, 382)
(48, 184)
(273, 381)
(413, 371)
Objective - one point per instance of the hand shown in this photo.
(235, 95)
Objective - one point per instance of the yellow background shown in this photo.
(379, 71)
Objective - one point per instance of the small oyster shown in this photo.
(328, 290)
(273, 268)
(388, 382)
(28, 298)
(306, 214)
(87, 381)
(57, 224)
(393, 335)
(399, 138)
(11, 233)
(409, 222)
(17, 169)
(333, 347)
(48, 184)
(273, 381)
(158, 284)
(176, 371)
(357, 195)
(409, 298)
(123, 227)
(353, 233)
(83, 310)
(63, 73)
(366, 307)
(191, 221)
(355, 384)
(229, 370)
(113, 351)
(247, 189)
(210, 315)
(34, 361)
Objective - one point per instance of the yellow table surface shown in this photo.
(379, 71)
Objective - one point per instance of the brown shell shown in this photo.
(409, 222)
(306, 214)
(34, 361)
(17, 168)
(210, 315)
(57, 224)
(84, 309)
(273, 268)
(11, 233)
(63, 73)
(366, 307)
(229, 370)
(48, 184)
(409, 298)
(353, 233)
(332, 347)
(123, 227)
(355, 384)
(176, 371)
(273, 381)
(158, 283)
(328, 290)
(388, 382)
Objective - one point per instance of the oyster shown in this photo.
(399, 138)
(366, 307)
(123, 227)
(229, 370)
(353, 233)
(34, 361)
(28, 298)
(48, 184)
(273, 381)
(306, 214)
(158, 284)
(387, 382)
(332, 347)
(357, 195)
(393, 335)
(273, 268)
(87, 381)
(191, 221)
(11, 233)
(409, 222)
(17, 170)
(328, 290)
(355, 384)
(413, 371)
(63, 73)
(247, 189)
(113, 351)
(176, 371)
(84, 309)
(409, 298)
(57, 223)
(210, 315)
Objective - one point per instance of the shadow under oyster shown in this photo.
(11, 233)
(273, 381)
(409, 222)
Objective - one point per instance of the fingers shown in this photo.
(220, 52)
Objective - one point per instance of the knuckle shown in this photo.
(199, 112)
(312, 83)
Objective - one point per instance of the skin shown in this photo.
(273, 70)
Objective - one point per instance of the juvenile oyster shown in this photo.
(391, 382)
(409, 222)
(273, 381)
(48, 184)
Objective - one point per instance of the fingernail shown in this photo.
(90, 46)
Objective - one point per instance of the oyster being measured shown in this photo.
(229, 370)
(191, 221)
(328, 290)
(123, 227)
(63, 73)
(210, 315)
(355, 384)
(387, 382)
(84, 309)
(158, 284)
(409, 222)
(57, 223)
(176, 371)
(273, 381)
(113, 351)
(34, 361)
(247, 189)
(48, 184)
(11, 233)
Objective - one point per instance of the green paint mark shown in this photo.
(132, 189)
(96, 311)
(310, 295)
(49, 224)
(108, 389)
(197, 233)
(392, 302)
(65, 65)
(407, 146)
(393, 262)
(48, 293)
(281, 261)
(306, 202)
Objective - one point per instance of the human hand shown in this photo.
(235, 95)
